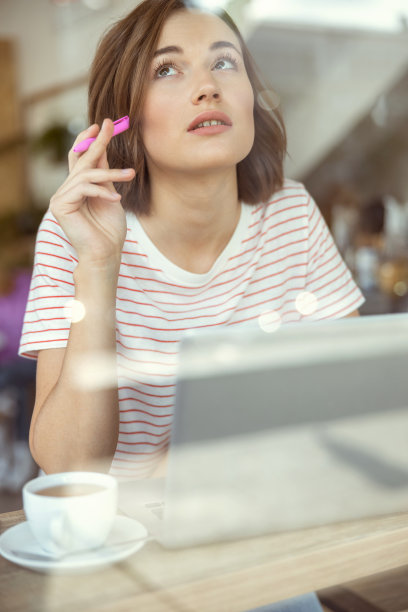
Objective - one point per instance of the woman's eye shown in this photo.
(164, 71)
(225, 64)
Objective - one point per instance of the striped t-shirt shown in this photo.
(281, 264)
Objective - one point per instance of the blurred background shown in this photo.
(338, 71)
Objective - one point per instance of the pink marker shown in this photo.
(121, 125)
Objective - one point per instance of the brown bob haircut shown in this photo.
(117, 86)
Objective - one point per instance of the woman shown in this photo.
(213, 235)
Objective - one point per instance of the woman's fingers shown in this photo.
(97, 148)
(91, 132)
(90, 175)
(103, 161)
(78, 194)
(97, 176)
(91, 157)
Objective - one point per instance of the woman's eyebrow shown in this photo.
(219, 44)
(170, 49)
(224, 43)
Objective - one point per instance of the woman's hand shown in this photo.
(87, 206)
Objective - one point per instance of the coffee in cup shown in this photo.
(71, 511)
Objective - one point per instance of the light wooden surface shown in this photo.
(231, 577)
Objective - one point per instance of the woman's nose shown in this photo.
(207, 91)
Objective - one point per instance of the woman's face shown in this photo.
(197, 76)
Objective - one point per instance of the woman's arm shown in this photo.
(75, 419)
(74, 427)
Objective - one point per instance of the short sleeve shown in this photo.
(46, 320)
(328, 278)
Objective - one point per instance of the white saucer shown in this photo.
(20, 539)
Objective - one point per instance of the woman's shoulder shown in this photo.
(291, 200)
(288, 209)
(290, 190)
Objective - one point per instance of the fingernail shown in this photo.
(127, 170)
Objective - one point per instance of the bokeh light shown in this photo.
(269, 321)
(268, 99)
(306, 303)
(74, 311)
(400, 288)
(95, 371)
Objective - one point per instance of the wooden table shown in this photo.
(226, 577)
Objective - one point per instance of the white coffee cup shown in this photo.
(71, 511)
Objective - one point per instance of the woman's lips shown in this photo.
(210, 122)
(210, 129)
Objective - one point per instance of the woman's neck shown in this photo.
(192, 220)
